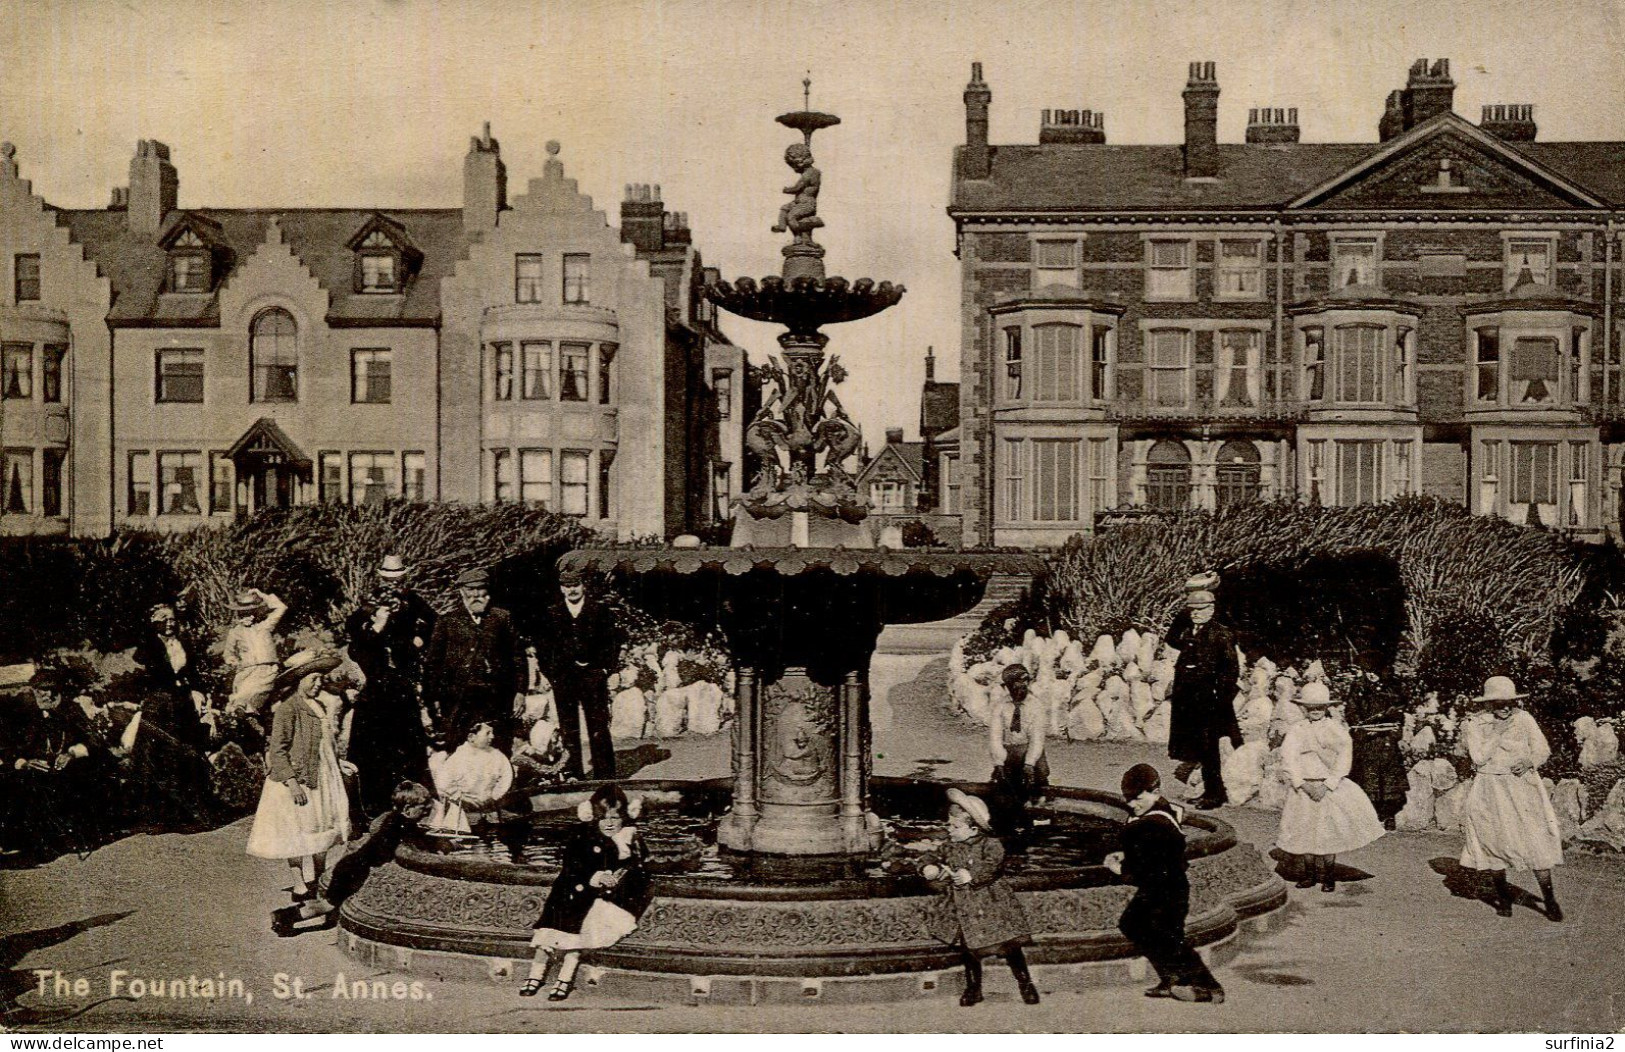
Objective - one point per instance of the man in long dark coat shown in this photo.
(170, 754)
(387, 635)
(58, 777)
(473, 670)
(579, 643)
(1202, 698)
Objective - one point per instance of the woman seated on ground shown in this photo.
(599, 894)
(470, 783)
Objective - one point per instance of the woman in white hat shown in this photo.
(1508, 819)
(303, 808)
(1326, 814)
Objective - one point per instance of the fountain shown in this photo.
(779, 881)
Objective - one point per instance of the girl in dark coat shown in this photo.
(599, 894)
(978, 913)
(1153, 860)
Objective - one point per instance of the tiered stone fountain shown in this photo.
(772, 883)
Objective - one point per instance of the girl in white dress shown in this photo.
(251, 649)
(303, 809)
(1326, 814)
(1508, 819)
(471, 781)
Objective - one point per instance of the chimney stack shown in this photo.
(154, 187)
(1514, 123)
(643, 218)
(978, 159)
(930, 365)
(485, 182)
(120, 200)
(1392, 124)
(1429, 92)
(894, 436)
(1072, 126)
(674, 228)
(1202, 122)
(1272, 126)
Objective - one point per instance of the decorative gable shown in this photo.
(198, 253)
(385, 256)
(1447, 164)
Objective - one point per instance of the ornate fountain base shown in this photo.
(769, 933)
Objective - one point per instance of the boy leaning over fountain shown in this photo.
(978, 914)
(1153, 860)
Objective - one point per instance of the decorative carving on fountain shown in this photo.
(803, 436)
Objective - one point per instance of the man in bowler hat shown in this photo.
(1201, 700)
(580, 644)
(473, 669)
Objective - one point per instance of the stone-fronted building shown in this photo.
(1196, 324)
(167, 367)
(920, 480)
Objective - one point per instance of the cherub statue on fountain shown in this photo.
(800, 216)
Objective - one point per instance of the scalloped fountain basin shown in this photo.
(725, 926)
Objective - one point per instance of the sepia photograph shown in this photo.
(836, 516)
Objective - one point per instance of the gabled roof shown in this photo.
(1093, 178)
(392, 229)
(320, 237)
(264, 436)
(206, 230)
(910, 456)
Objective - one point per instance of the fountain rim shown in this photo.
(1213, 836)
(843, 562)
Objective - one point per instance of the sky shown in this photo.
(370, 103)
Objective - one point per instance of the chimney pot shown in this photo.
(894, 435)
(976, 160)
(154, 187)
(485, 182)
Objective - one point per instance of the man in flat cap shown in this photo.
(473, 669)
(579, 645)
(1201, 700)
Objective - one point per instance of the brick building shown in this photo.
(920, 480)
(1191, 325)
(167, 367)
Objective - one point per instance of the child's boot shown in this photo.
(973, 982)
(1328, 866)
(1503, 894)
(1553, 910)
(1024, 979)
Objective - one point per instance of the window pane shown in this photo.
(378, 272)
(370, 375)
(330, 478)
(51, 358)
(573, 371)
(1357, 476)
(26, 286)
(1360, 364)
(140, 502)
(573, 482)
(1055, 481)
(1100, 363)
(372, 477)
(575, 280)
(1012, 363)
(1354, 263)
(606, 362)
(180, 375)
(1532, 256)
(606, 484)
(1053, 254)
(1534, 370)
(502, 475)
(1240, 268)
(527, 279)
(274, 353)
(721, 493)
(1011, 465)
(222, 484)
(17, 370)
(18, 498)
(179, 479)
(1167, 375)
(722, 387)
(538, 379)
(1238, 367)
(502, 371)
(536, 476)
(1056, 363)
(51, 481)
(414, 473)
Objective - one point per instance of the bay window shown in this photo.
(1100, 363)
(1361, 356)
(1012, 363)
(1056, 363)
(1359, 473)
(1055, 480)
(573, 483)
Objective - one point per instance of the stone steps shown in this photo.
(938, 637)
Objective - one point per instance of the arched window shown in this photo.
(1237, 473)
(1168, 476)
(273, 357)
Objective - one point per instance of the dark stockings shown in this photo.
(1018, 968)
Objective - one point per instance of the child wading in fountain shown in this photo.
(599, 894)
(1326, 813)
(471, 782)
(978, 913)
(1508, 819)
(408, 806)
(1153, 860)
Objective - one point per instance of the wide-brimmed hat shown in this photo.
(1202, 582)
(303, 664)
(248, 602)
(392, 567)
(478, 577)
(1498, 689)
(49, 678)
(1314, 695)
(972, 806)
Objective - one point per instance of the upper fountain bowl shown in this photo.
(803, 304)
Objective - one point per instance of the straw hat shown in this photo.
(972, 806)
(303, 664)
(248, 602)
(392, 568)
(1314, 695)
(1497, 690)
